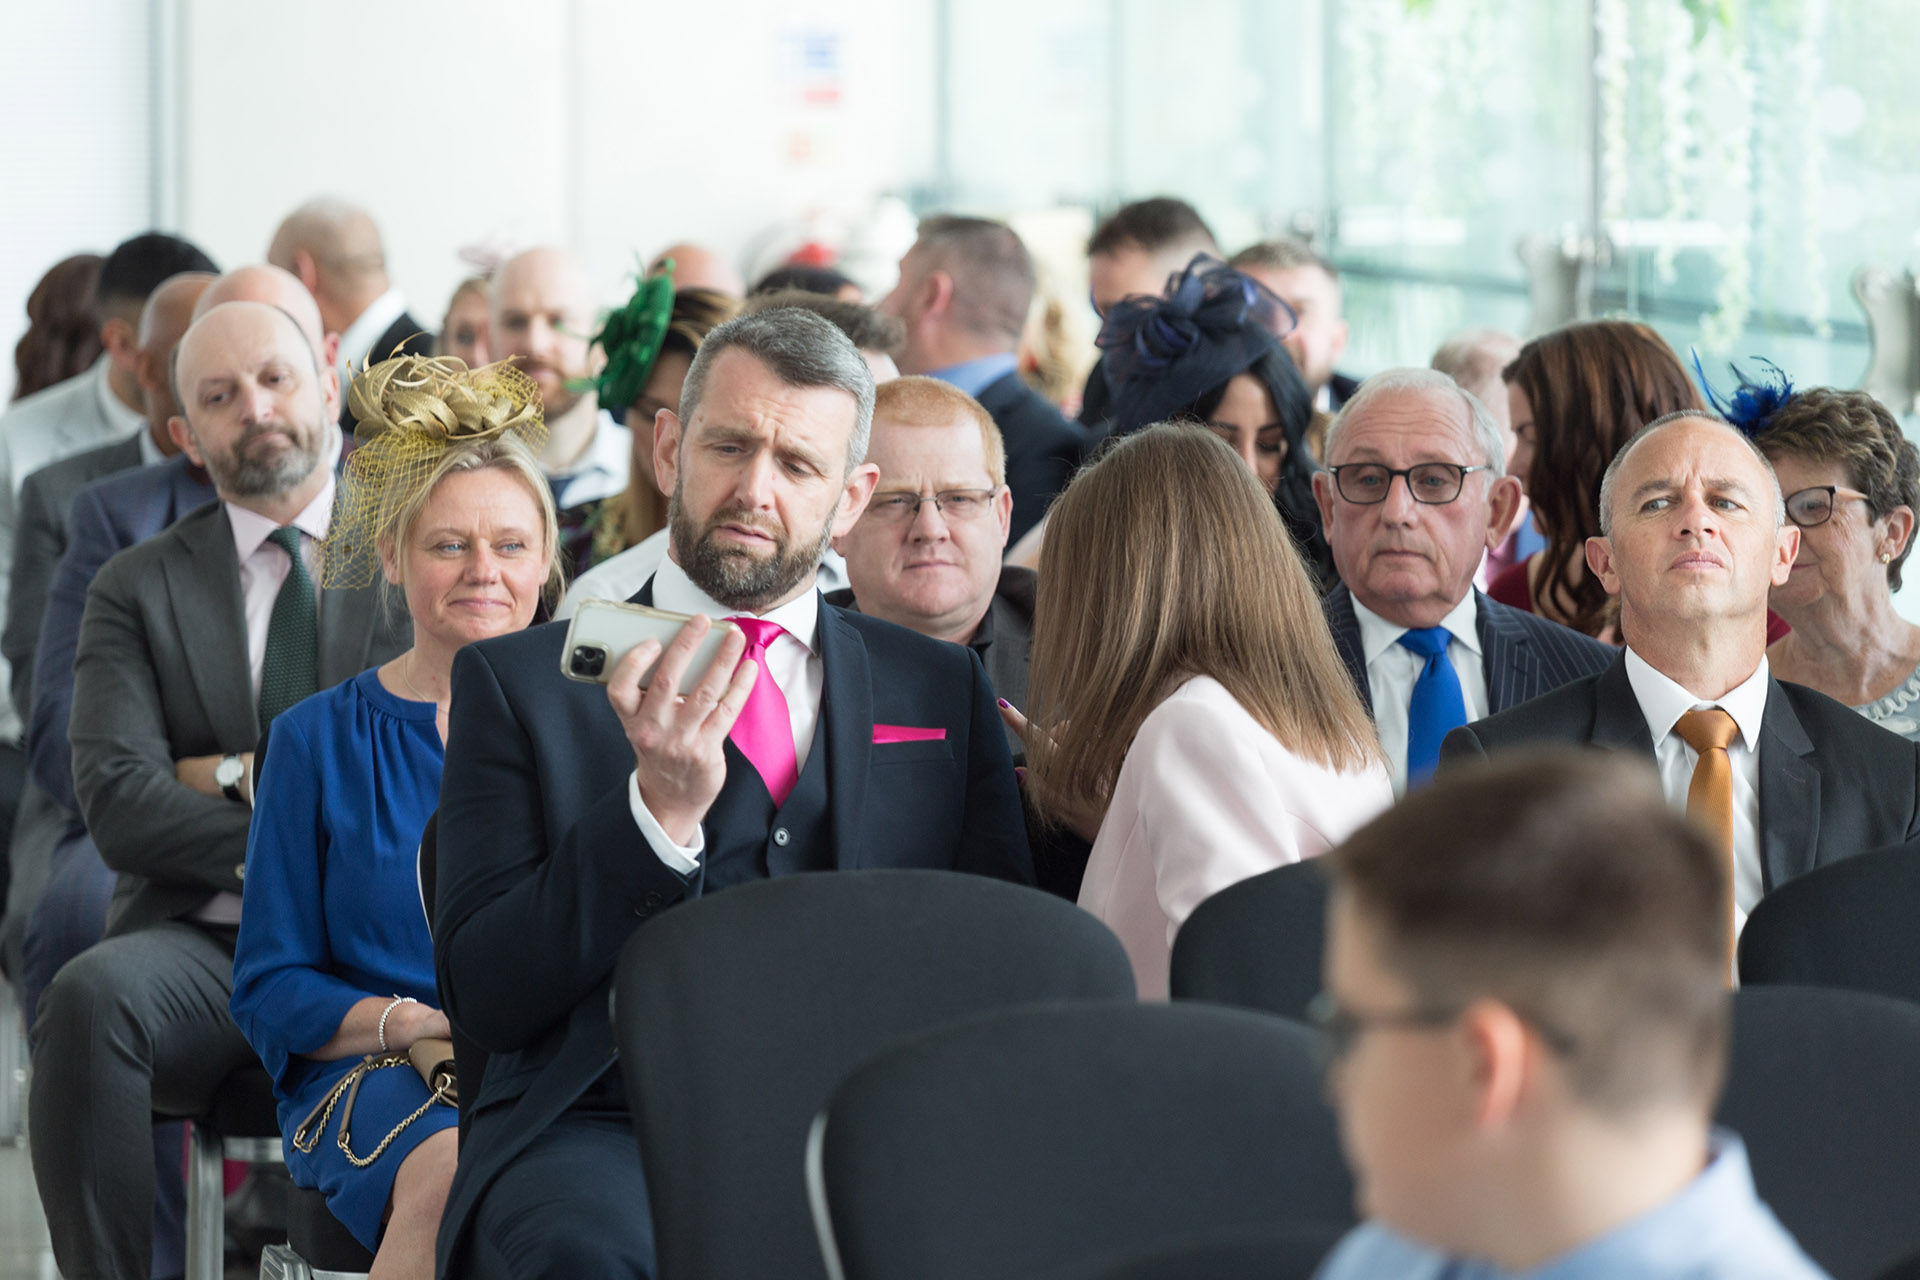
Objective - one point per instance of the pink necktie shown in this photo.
(764, 731)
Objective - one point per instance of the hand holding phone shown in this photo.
(678, 726)
(605, 631)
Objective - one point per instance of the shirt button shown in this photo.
(652, 899)
(781, 838)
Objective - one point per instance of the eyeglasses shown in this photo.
(1340, 1027)
(1433, 483)
(954, 504)
(1810, 507)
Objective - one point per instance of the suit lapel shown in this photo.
(1618, 722)
(1789, 793)
(1345, 626)
(847, 703)
(203, 590)
(1506, 657)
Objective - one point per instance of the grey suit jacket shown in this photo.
(40, 539)
(161, 674)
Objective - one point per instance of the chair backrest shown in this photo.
(1849, 924)
(1262, 1255)
(1256, 944)
(1029, 1142)
(1824, 1086)
(737, 1013)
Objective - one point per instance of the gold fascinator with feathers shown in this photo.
(410, 411)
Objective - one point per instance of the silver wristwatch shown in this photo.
(228, 774)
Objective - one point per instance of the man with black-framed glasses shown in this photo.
(1415, 495)
(1526, 1031)
(925, 554)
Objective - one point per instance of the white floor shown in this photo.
(24, 1254)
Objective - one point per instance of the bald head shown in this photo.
(695, 267)
(248, 382)
(282, 289)
(334, 249)
(163, 320)
(272, 285)
(543, 316)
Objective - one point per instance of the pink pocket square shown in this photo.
(885, 733)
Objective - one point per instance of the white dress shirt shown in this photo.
(1663, 702)
(618, 577)
(1392, 669)
(356, 342)
(264, 566)
(793, 660)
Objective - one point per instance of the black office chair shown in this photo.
(240, 1123)
(1262, 1255)
(317, 1244)
(1849, 924)
(1029, 1142)
(1824, 1086)
(736, 1014)
(1256, 944)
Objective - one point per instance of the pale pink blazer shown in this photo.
(1207, 797)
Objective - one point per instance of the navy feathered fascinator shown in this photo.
(1754, 401)
(1162, 354)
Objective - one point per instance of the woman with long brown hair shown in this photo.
(63, 335)
(1576, 395)
(1186, 687)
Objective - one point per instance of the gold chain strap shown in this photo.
(307, 1136)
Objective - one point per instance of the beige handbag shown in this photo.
(433, 1059)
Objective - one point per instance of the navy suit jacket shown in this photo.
(1044, 448)
(1522, 656)
(106, 518)
(542, 874)
(1832, 782)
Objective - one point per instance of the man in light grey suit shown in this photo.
(190, 643)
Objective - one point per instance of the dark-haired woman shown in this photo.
(1209, 352)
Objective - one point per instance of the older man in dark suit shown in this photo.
(570, 815)
(1693, 538)
(1414, 497)
(191, 643)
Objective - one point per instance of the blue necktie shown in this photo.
(1437, 706)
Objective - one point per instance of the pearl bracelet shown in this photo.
(386, 1013)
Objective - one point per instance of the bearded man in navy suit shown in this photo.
(820, 739)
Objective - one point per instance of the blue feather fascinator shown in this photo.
(1753, 401)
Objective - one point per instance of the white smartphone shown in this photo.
(603, 631)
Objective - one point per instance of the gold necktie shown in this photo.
(1710, 794)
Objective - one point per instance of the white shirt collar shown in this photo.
(150, 454)
(1663, 700)
(1377, 635)
(250, 528)
(356, 343)
(122, 420)
(674, 590)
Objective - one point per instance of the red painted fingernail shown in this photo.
(1020, 775)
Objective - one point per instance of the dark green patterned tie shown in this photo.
(293, 644)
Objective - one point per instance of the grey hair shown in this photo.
(1434, 386)
(803, 350)
(1702, 415)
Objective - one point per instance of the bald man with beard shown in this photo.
(542, 320)
(169, 700)
(334, 249)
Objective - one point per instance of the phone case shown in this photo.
(603, 631)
